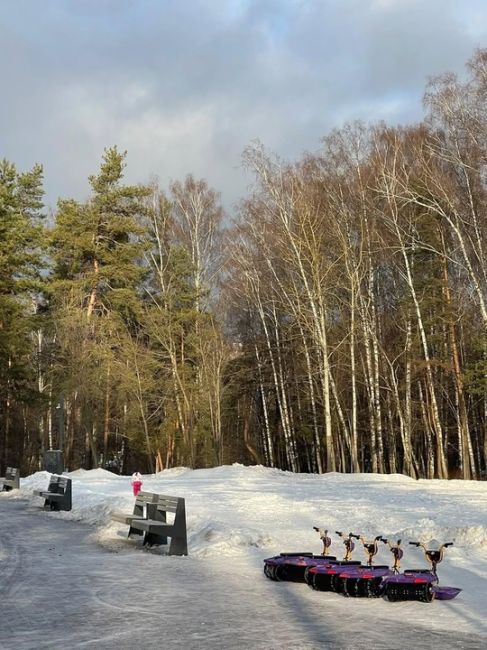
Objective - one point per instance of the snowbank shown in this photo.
(232, 507)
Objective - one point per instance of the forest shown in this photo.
(335, 321)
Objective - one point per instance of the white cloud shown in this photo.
(185, 86)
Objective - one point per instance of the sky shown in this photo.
(185, 85)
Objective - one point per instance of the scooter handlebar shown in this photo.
(445, 545)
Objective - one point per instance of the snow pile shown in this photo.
(211, 539)
(234, 507)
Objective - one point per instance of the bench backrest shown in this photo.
(11, 473)
(64, 485)
(169, 504)
(54, 483)
(146, 497)
(11, 480)
(143, 500)
(156, 506)
(59, 484)
(176, 506)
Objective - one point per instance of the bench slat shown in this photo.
(147, 524)
(124, 518)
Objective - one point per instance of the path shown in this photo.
(134, 598)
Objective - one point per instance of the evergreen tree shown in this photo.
(97, 250)
(21, 261)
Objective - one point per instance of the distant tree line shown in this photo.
(337, 323)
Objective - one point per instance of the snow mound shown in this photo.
(214, 539)
(98, 474)
(37, 481)
(431, 534)
(234, 508)
(173, 472)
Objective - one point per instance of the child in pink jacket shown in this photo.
(136, 483)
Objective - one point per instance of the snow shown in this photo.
(246, 514)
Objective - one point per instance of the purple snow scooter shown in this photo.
(274, 566)
(325, 577)
(292, 566)
(419, 584)
(365, 582)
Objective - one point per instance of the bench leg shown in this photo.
(178, 546)
(134, 531)
(152, 539)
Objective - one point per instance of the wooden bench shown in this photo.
(58, 494)
(11, 480)
(153, 523)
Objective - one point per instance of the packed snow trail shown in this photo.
(60, 589)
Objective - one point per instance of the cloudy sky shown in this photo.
(185, 85)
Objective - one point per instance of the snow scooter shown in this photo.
(420, 584)
(274, 568)
(365, 582)
(324, 577)
(292, 566)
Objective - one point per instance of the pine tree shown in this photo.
(97, 250)
(21, 260)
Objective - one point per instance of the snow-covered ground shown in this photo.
(237, 516)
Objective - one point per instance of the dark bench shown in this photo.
(150, 519)
(144, 508)
(58, 494)
(11, 480)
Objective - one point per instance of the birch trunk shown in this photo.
(314, 412)
(268, 444)
(437, 428)
(465, 450)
